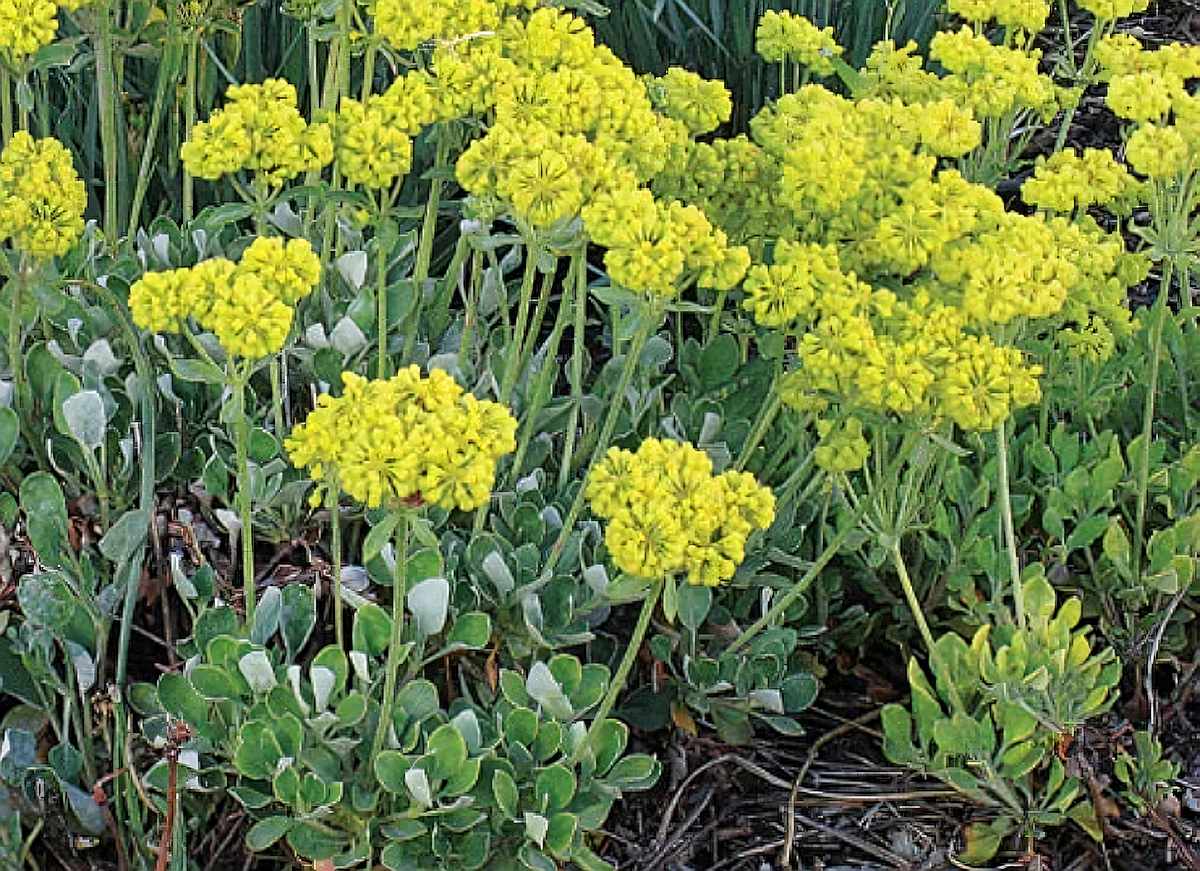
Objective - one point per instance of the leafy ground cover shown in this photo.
(452, 436)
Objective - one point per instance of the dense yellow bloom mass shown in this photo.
(370, 145)
(41, 196)
(669, 514)
(1027, 15)
(841, 448)
(701, 105)
(260, 130)
(247, 305)
(660, 249)
(784, 36)
(1068, 181)
(26, 26)
(406, 439)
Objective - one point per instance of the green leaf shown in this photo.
(390, 768)
(448, 748)
(180, 699)
(719, 361)
(418, 699)
(197, 371)
(297, 617)
(378, 536)
(634, 772)
(429, 602)
(799, 692)
(1087, 531)
(266, 615)
(212, 682)
(125, 537)
(554, 788)
(372, 629)
(504, 788)
(694, 605)
(10, 432)
(561, 834)
(47, 600)
(45, 516)
(83, 413)
(982, 843)
(471, 630)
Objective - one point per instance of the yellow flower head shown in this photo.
(288, 270)
(259, 129)
(782, 35)
(702, 105)
(159, 301)
(668, 514)
(27, 25)
(370, 147)
(408, 439)
(41, 197)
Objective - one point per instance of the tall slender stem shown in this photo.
(164, 79)
(381, 307)
(576, 371)
(106, 97)
(618, 680)
(242, 446)
(425, 244)
(1157, 325)
(189, 118)
(1010, 535)
(766, 416)
(649, 320)
(513, 363)
(333, 494)
(399, 578)
(16, 362)
(6, 111)
(910, 596)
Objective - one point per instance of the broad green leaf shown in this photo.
(45, 516)
(429, 601)
(125, 537)
(554, 788)
(504, 788)
(297, 617)
(10, 433)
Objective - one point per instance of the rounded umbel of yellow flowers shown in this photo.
(260, 130)
(668, 513)
(405, 440)
(247, 305)
(41, 197)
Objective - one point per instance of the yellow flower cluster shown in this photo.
(405, 440)
(1068, 181)
(247, 305)
(369, 145)
(1112, 10)
(786, 291)
(841, 448)
(700, 104)
(668, 513)
(784, 36)
(41, 197)
(568, 120)
(1029, 15)
(660, 248)
(1149, 88)
(733, 181)
(993, 79)
(27, 25)
(406, 24)
(894, 278)
(259, 130)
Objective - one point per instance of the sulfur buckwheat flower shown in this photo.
(404, 440)
(1112, 10)
(41, 197)
(1143, 96)
(1157, 151)
(247, 305)
(668, 514)
(1028, 15)
(259, 130)
(370, 148)
(26, 26)
(841, 448)
(784, 36)
(1068, 181)
(288, 270)
(701, 105)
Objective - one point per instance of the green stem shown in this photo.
(425, 245)
(165, 78)
(1159, 319)
(242, 446)
(381, 308)
(106, 96)
(399, 577)
(277, 396)
(910, 596)
(189, 119)
(6, 112)
(617, 683)
(535, 326)
(16, 362)
(314, 87)
(766, 416)
(369, 68)
(333, 503)
(1010, 535)
(576, 373)
(512, 364)
(650, 319)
